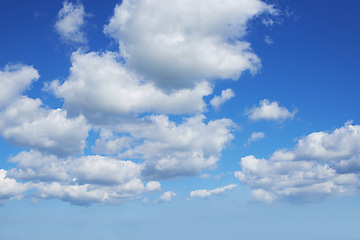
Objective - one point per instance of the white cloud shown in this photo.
(256, 136)
(203, 193)
(185, 41)
(119, 92)
(11, 189)
(110, 144)
(341, 148)
(270, 111)
(14, 80)
(70, 23)
(83, 181)
(153, 186)
(205, 176)
(268, 22)
(25, 123)
(35, 166)
(171, 150)
(268, 40)
(103, 170)
(167, 196)
(322, 165)
(226, 95)
(88, 194)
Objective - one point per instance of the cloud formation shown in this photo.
(118, 91)
(172, 150)
(84, 180)
(185, 41)
(322, 165)
(270, 111)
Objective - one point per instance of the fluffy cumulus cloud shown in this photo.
(203, 193)
(172, 150)
(269, 111)
(84, 180)
(87, 194)
(70, 21)
(14, 80)
(226, 95)
(27, 124)
(35, 166)
(322, 165)
(100, 86)
(176, 44)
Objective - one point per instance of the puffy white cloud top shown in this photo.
(178, 43)
(322, 165)
(270, 111)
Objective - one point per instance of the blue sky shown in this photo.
(211, 119)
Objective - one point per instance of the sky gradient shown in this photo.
(179, 119)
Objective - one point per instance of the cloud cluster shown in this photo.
(147, 105)
(269, 111)
(322, 165)
(83, 180)
(172, 150)
(70, 21)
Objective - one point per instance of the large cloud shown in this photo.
(99, 86)
(178, 43)
(322, 165)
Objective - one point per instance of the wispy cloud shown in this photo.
(203, 193)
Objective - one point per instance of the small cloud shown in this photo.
(153, 186)
(270, 111)
(70, 21)
(204, 176)
(203, 193)
(219, 176)
(268, 40)
(217, 101)
(256, 136)
(167, 196)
